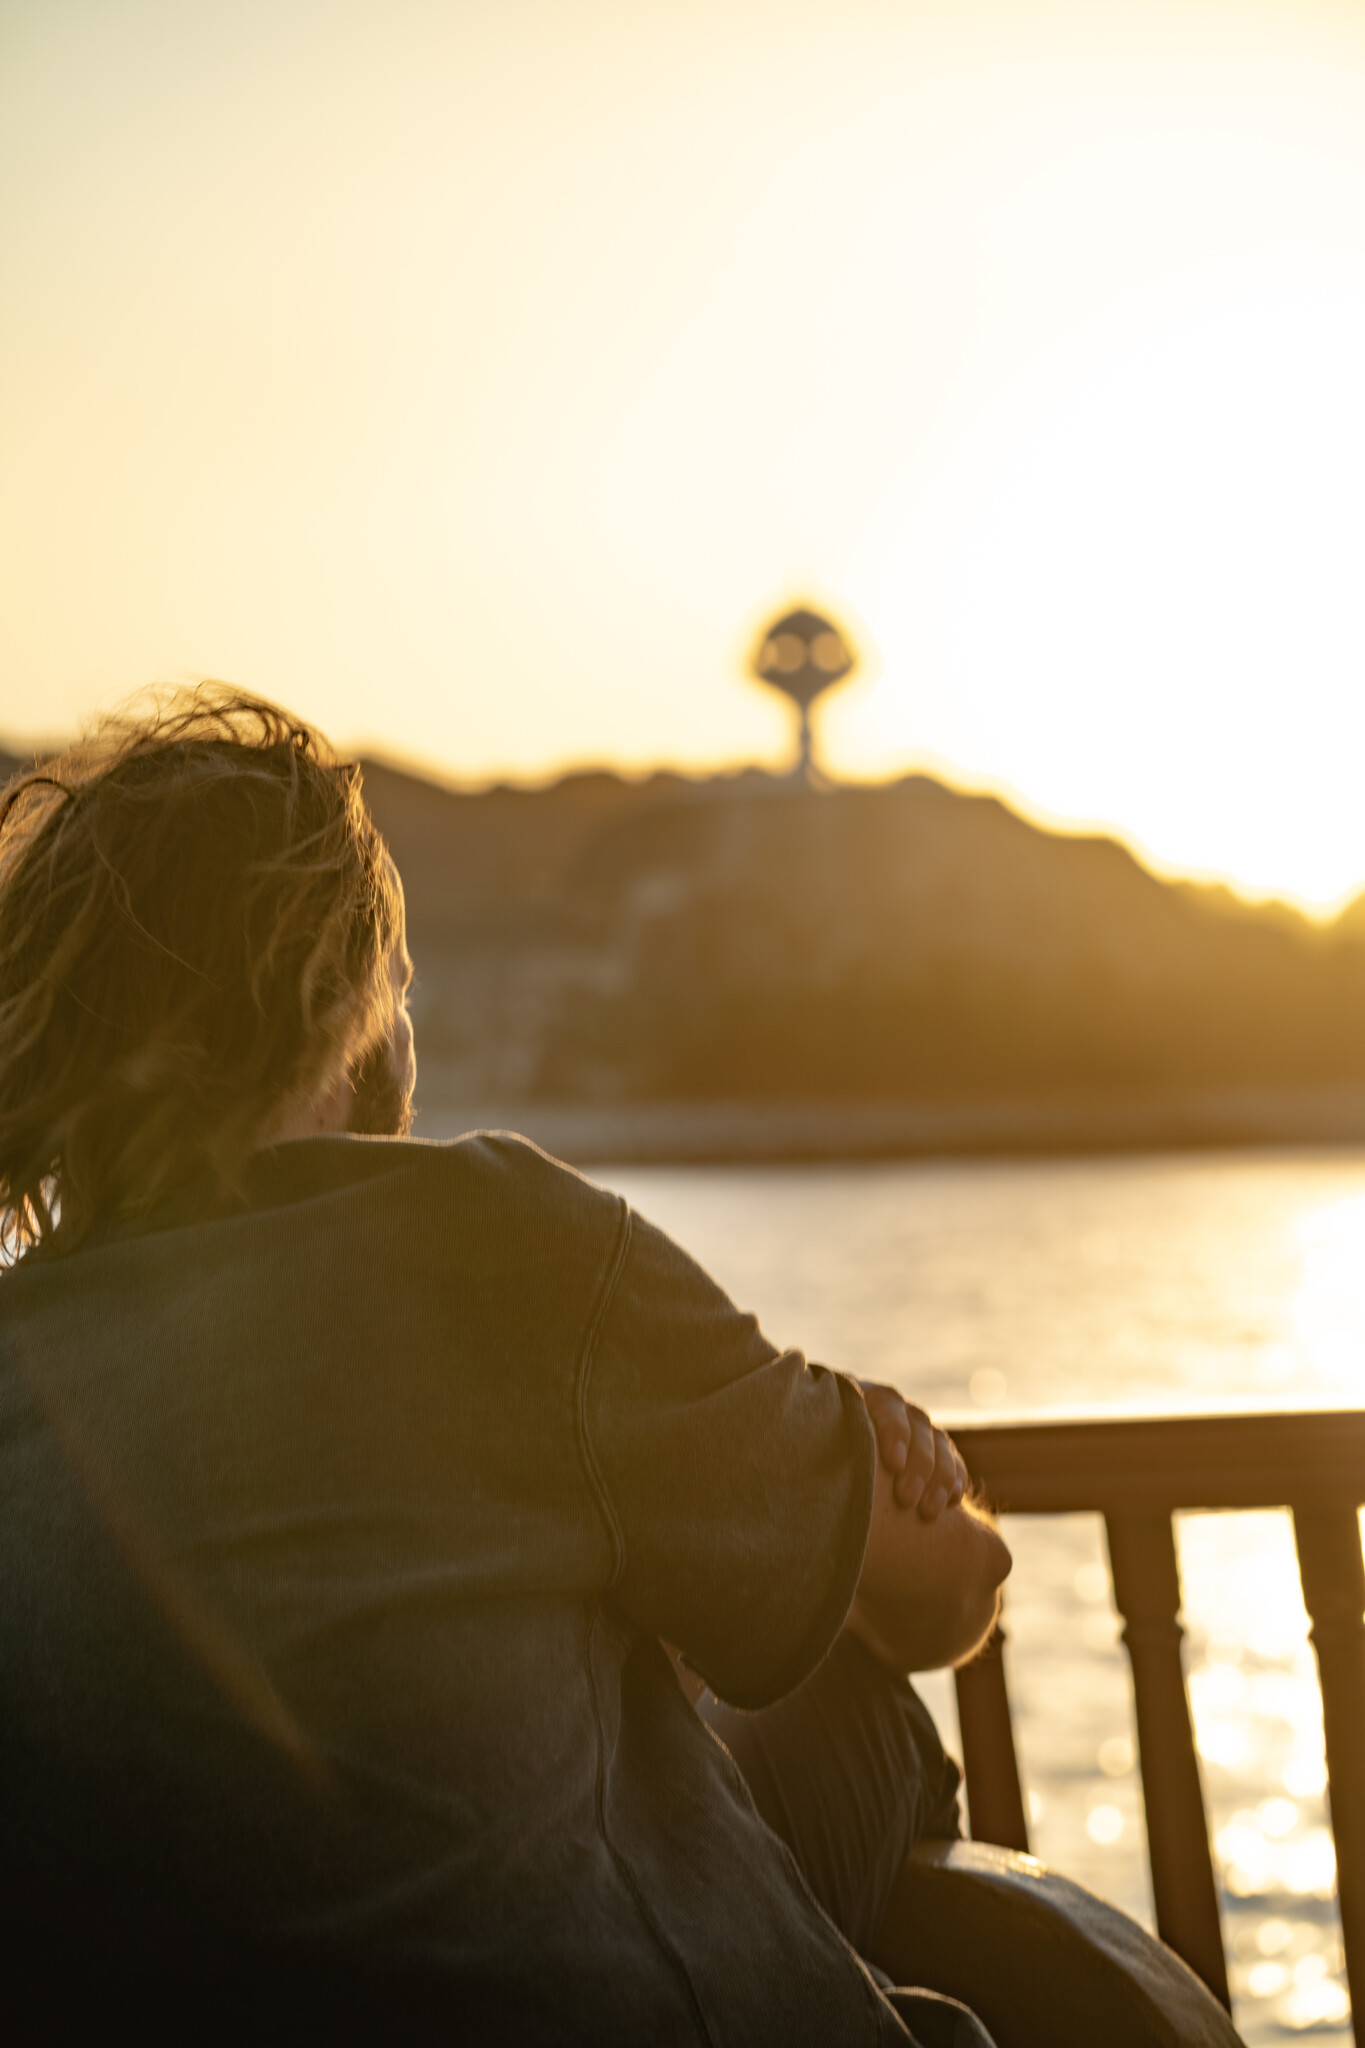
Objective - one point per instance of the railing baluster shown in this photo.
(1147, 1593)
(988, 1758)
(1332, 1574)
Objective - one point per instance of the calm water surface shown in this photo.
(990, 1288)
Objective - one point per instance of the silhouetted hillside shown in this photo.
(749, 940)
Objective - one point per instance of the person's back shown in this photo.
(347, 1484)
(344, 1464)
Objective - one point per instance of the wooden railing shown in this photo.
(1137, 1474)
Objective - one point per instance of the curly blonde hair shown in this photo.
(197, 915)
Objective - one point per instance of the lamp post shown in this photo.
(802, 654)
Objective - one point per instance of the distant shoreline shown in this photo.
(735, 1133)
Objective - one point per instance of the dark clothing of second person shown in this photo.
(337, 1532)
(850, 1772)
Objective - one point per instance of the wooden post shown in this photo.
(1147, 1593)
(983, 1711)
(1333, 1578)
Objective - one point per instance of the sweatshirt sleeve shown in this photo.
(739, 1477)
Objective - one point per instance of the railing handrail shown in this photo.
(1137, 1472)
(1314, 1458)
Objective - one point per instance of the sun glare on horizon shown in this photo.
(478, 382)
(1143, 601)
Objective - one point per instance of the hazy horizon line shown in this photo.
(1314, 911)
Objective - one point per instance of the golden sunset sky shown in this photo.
(476, 379)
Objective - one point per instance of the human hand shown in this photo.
(929, 1591)
(929, 1473)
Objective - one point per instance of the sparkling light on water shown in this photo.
(1104, 1824)
(1328, 1310)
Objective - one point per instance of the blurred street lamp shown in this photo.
(802, 654)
